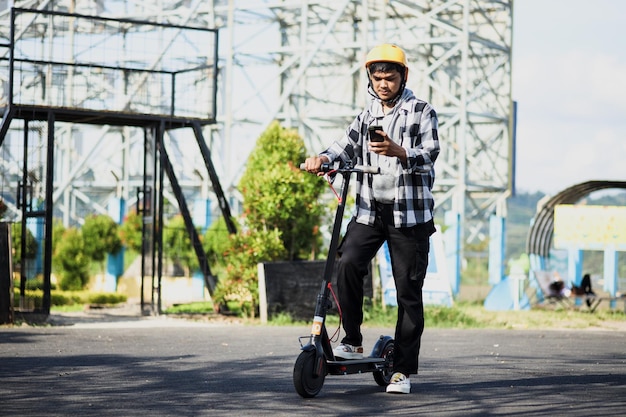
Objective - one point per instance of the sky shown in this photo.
(569, 81)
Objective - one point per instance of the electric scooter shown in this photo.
(317, 359)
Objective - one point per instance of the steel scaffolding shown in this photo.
(300, 62)
(63, 72)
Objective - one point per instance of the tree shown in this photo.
(72, 261)
(16, 243)
(216, 242)
(130, 231)
(281, 216)
(58, 229)
(177, 244)
(278, 195)
(239, 290)
(100, 236)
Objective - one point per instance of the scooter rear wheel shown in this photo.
(308, 384)
(383, 377)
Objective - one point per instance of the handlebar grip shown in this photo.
(324, 168)
(367, 169)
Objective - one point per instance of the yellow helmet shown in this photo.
(386, 53)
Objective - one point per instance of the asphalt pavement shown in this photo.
(104, 364)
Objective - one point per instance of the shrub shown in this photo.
(100, 236)
(177, 244)
(281, 217)
(58, 298)
(72, 261)
(239, 288)
(216, 242)
(130, 231)
(16, 243)
(34, 284)
(106, 298)
(278, 195)
(67, 298)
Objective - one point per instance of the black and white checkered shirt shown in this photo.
(415, 129)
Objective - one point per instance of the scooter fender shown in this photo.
(380, 344)
(311, 347)
(308, 347)
(320, 361)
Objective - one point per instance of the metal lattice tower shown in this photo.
(301, 62)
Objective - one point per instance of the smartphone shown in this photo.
(375, 137)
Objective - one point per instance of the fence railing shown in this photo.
(71, 61)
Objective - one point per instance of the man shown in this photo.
(395, 206)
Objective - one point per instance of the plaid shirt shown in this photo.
(415, 129)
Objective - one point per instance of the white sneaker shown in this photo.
(399, 384)
(345, 351)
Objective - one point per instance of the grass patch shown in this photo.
(285, 319)
(67, 308)
(472, 315)
(451, 317)
(462, 315)
(200, 307)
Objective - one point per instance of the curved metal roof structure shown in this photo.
(541, 231)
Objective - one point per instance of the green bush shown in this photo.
(216, 242)
(100, 237)
(238, 290)
(71, 260)
(16, 243)
(130, 231)
(68, 298)
(59, 298)
(177, 245)
(35, 296)
(34, 284)
(281, 218)
(278, 195)
(106, 298)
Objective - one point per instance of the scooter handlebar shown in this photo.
(357, 168)
(368, 169)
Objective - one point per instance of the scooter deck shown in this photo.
(355, 366)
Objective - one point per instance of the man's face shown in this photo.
(386, 84)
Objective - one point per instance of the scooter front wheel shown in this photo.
(305, 380)
(383, 377)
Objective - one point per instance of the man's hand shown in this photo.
(313, 164)
(388, 148)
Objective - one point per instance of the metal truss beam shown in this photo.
(301, 62)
